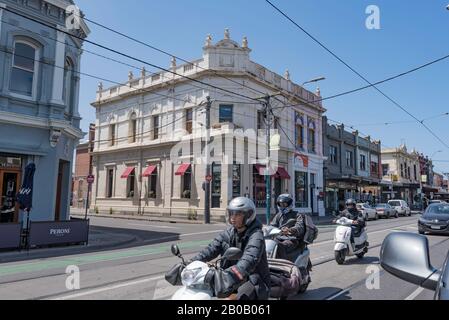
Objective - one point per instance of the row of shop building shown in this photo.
(142, 146)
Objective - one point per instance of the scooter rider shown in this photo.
(251, 271)
(292, 237)
(352, 213)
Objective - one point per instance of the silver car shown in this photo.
(401, 207)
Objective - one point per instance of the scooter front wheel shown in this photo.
(340, 256)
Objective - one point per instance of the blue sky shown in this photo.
(412, 33)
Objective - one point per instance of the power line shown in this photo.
(357, 73)
(130, 57)
(90, 52)
(374, 84)
(167, 53)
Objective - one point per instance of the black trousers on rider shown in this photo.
(286, 248)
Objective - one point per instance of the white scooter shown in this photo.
(343, 245)
(193, 275)
(301, 259)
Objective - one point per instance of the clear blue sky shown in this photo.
(412, 33)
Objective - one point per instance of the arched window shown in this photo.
(132, 128)
(311, 137)
(24, 68)
(299, 130)
(68, 85)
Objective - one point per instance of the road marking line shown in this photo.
(415, 293)
(151, 226)
(107, 288)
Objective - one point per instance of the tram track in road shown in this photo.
(141, 258)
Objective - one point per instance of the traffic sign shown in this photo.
(90, 179)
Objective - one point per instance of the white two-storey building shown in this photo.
(144, 128)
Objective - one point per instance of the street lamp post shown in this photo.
(314, 80)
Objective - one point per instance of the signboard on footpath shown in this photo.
(59, 232)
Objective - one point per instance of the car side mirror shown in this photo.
(233, 254)
(406, 256)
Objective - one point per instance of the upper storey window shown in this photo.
(24, 69)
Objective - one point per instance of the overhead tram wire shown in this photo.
(168, 53)
(129, 56)
(357, 73)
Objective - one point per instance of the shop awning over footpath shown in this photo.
(128, 172)
(281, 173)
(182, 169)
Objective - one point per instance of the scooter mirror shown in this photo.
(175, 250)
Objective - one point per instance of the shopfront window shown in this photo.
(236, 180)
(216, 185)
(131, 184)
(259, 188)
(186, 184)
(301, 189)
(152, 184)
(110, 183)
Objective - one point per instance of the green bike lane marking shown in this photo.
(62, 263)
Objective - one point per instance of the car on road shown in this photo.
(401, 207)
(406, 255)
(435, 219)
(367, 211)
(436, 201)
(386, 211)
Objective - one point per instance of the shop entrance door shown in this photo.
(9, 186)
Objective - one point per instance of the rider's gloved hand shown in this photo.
(173, 276)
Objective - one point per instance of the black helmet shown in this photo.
(243, 205)
(285, 203)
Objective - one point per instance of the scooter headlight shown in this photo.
(188, 276)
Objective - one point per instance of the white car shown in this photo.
(367, 211)
(401, 207)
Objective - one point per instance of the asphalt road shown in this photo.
(137, 273)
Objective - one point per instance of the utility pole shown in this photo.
(208, 175)
(267, 171)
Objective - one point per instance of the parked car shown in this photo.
(406, 256)
(386, 211)
(367, 211)
(401, 207)
(435, 219)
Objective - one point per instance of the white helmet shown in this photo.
(245, 206)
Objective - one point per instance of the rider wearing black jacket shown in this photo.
(293, 235)
(252, 268)
(352, 213)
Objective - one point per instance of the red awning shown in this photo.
(149, 171)
(127, 172)
(283, 174)
(182, 169)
